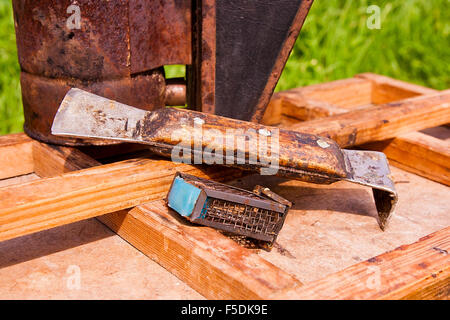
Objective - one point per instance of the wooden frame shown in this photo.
(50, 186)
(350, 100)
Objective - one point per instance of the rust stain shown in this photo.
(283, 251)
(95, 58)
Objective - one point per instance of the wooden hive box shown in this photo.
(329, 248)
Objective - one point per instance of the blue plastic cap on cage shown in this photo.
(183, 197)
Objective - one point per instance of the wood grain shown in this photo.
(386, 89)
(415, 152)
(50, 160)
(211, 263)
(15, 155)
(18, 179)
(219, 268)
(417, 271)
(190, 252)
(340, 96)
(70, 197)
(381, 122)
(419, 153)
(319, 100)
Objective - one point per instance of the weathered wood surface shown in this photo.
(324, 229)
(19, 179)
(45, 265)
(253, 276)
(323, 100)
(416, 152)
(386, 89)
(15, 155)
(417, 271)
(381, 122)
(51, 160)
(208, 261)
(70, 197)
(419, 153)
(340, 96)
(322, 234)
(330, 228)
(42, 265)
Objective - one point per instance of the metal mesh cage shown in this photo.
(241, 218)
(238, 211)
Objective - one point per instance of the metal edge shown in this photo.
(371, 169)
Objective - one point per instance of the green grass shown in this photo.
(11, 115)
(413, 44)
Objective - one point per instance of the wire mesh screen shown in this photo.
(242, 219)
(237, 211)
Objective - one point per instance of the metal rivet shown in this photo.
(264, 132)
(323, 144)
(199, 121)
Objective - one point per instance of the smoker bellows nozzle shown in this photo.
(227, 208)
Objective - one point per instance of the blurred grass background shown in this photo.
(11, 117)
(412, 44)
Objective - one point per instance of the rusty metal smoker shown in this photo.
(118, 49)
(113, 59)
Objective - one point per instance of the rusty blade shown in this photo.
(300, 156)
(371, 168)
(84, 115)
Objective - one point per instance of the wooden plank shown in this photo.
(40, 266)
(51, 160)
(415, 152)
(70, 197)
(212, 268)
(181, 247)
(211, 263)
(298, 107)
(137, 232)
(15, 155)
(418, 153)
(345, 93)
(382, 122)
(167, 240)
(417, 271)
(340, 96)
(309, 109)
(216, 264)
(319, 100)
(187, 251)
(18, 179)
(386, 89)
